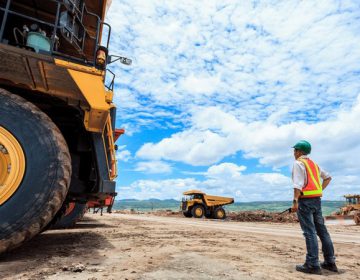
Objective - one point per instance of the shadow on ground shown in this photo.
(87, 223)
(53, 249)
(58, 243)
(92, 225)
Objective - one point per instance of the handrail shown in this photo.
(111, 85)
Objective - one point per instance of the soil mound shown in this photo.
(241, 216)
(262, 216)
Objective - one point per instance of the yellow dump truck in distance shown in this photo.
(351, 209)
(198, 204)
(57, 116)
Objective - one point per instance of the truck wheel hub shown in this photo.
(220, 214)
(12, 165)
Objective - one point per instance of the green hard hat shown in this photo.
(304, 146)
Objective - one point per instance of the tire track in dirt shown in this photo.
(268, 229)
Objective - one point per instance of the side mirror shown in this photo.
(123, 60)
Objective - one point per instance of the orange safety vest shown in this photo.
(313, 185)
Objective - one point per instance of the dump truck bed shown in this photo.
(212, 200)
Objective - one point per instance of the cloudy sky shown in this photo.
(219, 91)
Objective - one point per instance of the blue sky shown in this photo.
(220, 90)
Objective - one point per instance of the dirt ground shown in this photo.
(119, 246)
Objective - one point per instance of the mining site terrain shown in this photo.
(145, 246)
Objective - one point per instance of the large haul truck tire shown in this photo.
(35, 170)
(74, 213)
(198, 211)
(219, 213)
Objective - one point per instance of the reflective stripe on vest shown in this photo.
(313, 187)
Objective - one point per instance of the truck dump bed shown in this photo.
(212, 200)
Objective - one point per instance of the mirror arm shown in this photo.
(123, 60)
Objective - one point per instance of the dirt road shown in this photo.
(120, 246)
(252, 228)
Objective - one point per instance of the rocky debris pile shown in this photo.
(74, 268)
(167, 213)
(164, 213)
(241, 216)
(127, 211)
(262, 216)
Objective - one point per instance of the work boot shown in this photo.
(329, 266)
(305, 268)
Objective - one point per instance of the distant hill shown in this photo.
(147, 200)
(174, 205)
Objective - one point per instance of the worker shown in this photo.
(309, 181)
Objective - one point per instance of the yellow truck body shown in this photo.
(57, 116)
(351, 209)
(198, 204)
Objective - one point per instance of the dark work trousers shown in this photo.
(312, 224)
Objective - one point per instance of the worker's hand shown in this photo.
(295, 206)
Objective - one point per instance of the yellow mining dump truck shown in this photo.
(198, 204)
(351, 209)
(57, 118)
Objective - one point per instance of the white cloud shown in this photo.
(215, 134)
(229, 170)
(199, 85)
(122, 154)
(161, 189)
(250, 59)
(153, 167)
(194, 147)
(240, 76)
(226, 179)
